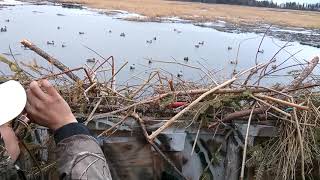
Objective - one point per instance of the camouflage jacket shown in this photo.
(79, 155)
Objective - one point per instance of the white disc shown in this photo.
(13, 99)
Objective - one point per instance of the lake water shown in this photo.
(174, 42)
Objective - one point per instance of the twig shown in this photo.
(282, 101)
(271, 106)
(145, 133)
(50, 59)
(245, 145)
(300, 142)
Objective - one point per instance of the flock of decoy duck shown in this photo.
(132, 67)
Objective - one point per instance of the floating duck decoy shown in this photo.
(81, 33)
(154, 38)
(3, 29)
(233, 62)
(91, 60)
(58, 27)
(229, 48)
(196, 46)
(149, 61)
(179, 75)
(7, 20)
(201, 43)
(132, 67)
(149, 41)
(123, 35)
(261, 51)
(186, 59)
(63, 45)
(50, 42)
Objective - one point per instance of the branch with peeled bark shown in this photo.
(50, 59)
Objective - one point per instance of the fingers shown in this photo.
(36, 90)
(49, 88)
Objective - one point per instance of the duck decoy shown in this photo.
(63, 45)
(201, 43)
(154, 38)
(7, 20)
(229, 48)
(196, 46)
(50, 42)
(149, 61)
(123, 35)
(233, 62)
(58, 27)
(132, 67)
(91, 60)
(3, 29)
(149, 41)
(81, 33)
(186, 59)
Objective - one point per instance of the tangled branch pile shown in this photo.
(293, 108)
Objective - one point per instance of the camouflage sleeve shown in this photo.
(79, 155)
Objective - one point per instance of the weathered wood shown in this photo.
(50, 59)
(303, 75)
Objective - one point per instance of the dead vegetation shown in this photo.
(293, 107)
(200, 12)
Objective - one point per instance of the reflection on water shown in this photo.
(64, 33)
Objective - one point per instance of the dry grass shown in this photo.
(209, 12)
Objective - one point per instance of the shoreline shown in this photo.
(303, 35)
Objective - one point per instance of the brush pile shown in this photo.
(293, 108)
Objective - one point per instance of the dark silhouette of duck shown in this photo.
(91, 60)
(154, 38)
(132, 67)
(81, 33)
(186, 59)
(58, 27)
(50, 42)
(201, 43)
(149, 41)
(123, 35)
(229, 48)
(63, 45)
(3, 29)
(7, 20)
(149, 61)
(110, 31)
(180, 74)
(196, 46)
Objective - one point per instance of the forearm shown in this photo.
(79, 156)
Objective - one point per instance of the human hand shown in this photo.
(46, 107)
(10, 141)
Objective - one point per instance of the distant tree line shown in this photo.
(265, 3)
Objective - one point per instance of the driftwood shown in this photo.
(50, 59)
(303, 75)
